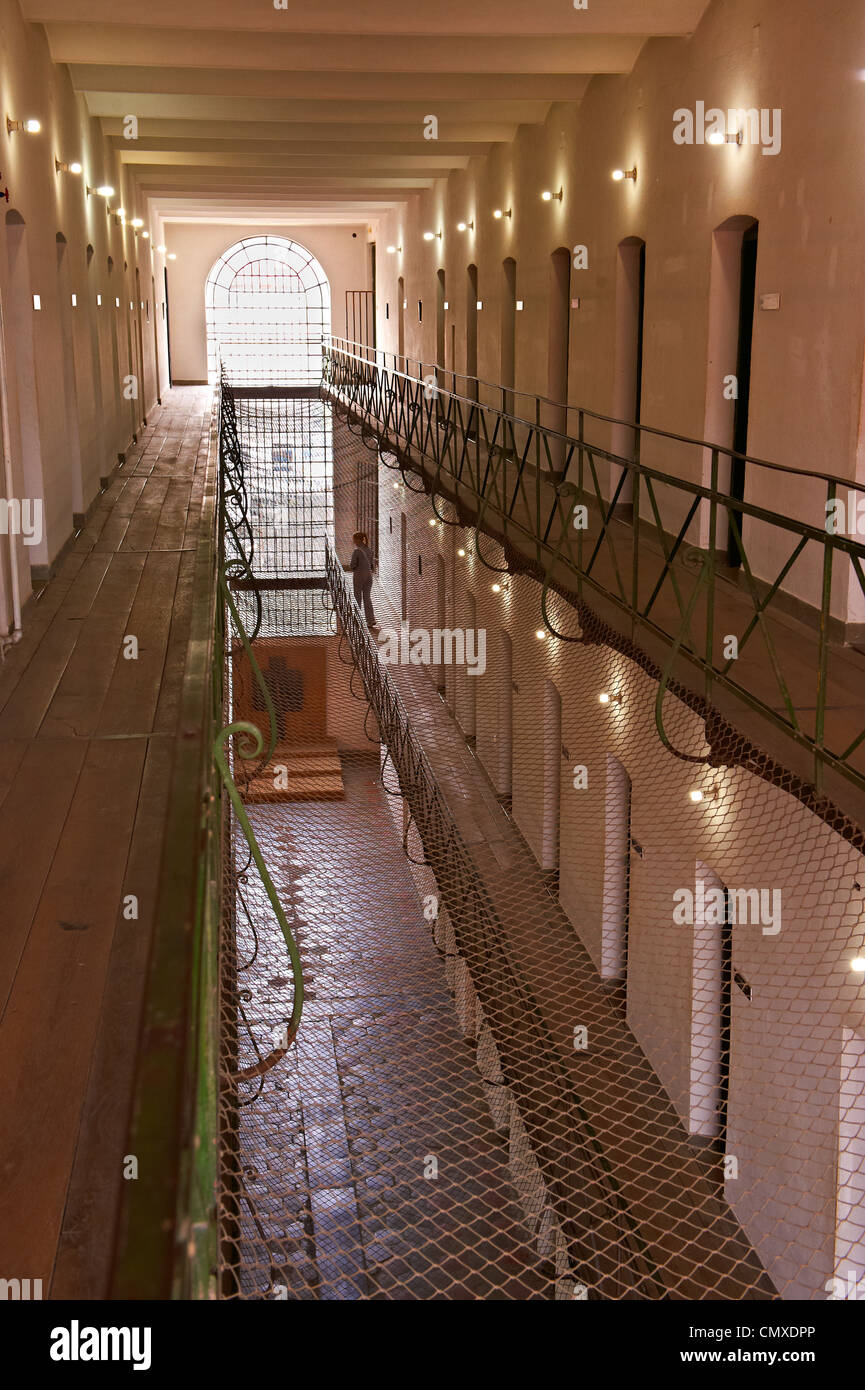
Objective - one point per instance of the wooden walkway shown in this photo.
(87, 744)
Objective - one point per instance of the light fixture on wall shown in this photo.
(61, 167)
(541, 635)
(730, 137)
(392, 250)
(431, 236)
(857, 964)
(698, 794)
(171, 256)
(146, 236)
(136, 222)
(432, 521)
(461, 554)
(28, 127)
(161, 249)
(104, 190)
(499, 213)
(619, 174)
(500, 587)
(466, 226)
(548, 196)
(605, 698)
(121, 213)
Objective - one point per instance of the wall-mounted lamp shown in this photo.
(61, 167)
(432, 521)
(466, 226)
(136, 222)
(605, 698)
(500, 588)
(732, 137)
(619, 174)
(541, 635)
(392, 250)
(446, 306)
(857, 964)
(146, 235)
(104, 190)
(161, 249)
(499, 213)
(697, 794)
(431, 236)
(461, 554)
(172, 256)
(28, 127)
(520, 306)
(548, 196)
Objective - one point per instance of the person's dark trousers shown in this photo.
(363, 594)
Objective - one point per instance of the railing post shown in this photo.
(580, 478)
(635, 553)
(538, 477)
(710, 575)
(823, 652)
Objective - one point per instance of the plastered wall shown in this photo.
(341, 250)
(809, 201)
(67, 415)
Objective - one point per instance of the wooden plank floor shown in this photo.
(87, 741)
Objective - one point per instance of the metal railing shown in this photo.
(237, 552)
(638, 547)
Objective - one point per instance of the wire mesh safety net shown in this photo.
(579, 1019)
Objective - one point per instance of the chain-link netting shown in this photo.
(581, 1018)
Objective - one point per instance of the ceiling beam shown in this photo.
(119, 46)
(326, 86)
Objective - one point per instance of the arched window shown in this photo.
(267, 301)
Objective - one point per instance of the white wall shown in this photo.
(341, 250)
(807, 367)
(67, 417)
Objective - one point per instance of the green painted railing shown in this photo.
(167, 1236)
(669, 565)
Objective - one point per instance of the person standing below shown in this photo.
(361, 566)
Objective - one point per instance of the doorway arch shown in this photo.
(732, 288)
(267, 303)
(628, 365)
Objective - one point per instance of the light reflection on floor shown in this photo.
(380, 1092)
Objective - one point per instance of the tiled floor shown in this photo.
(371, 1168)
(86, 747)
